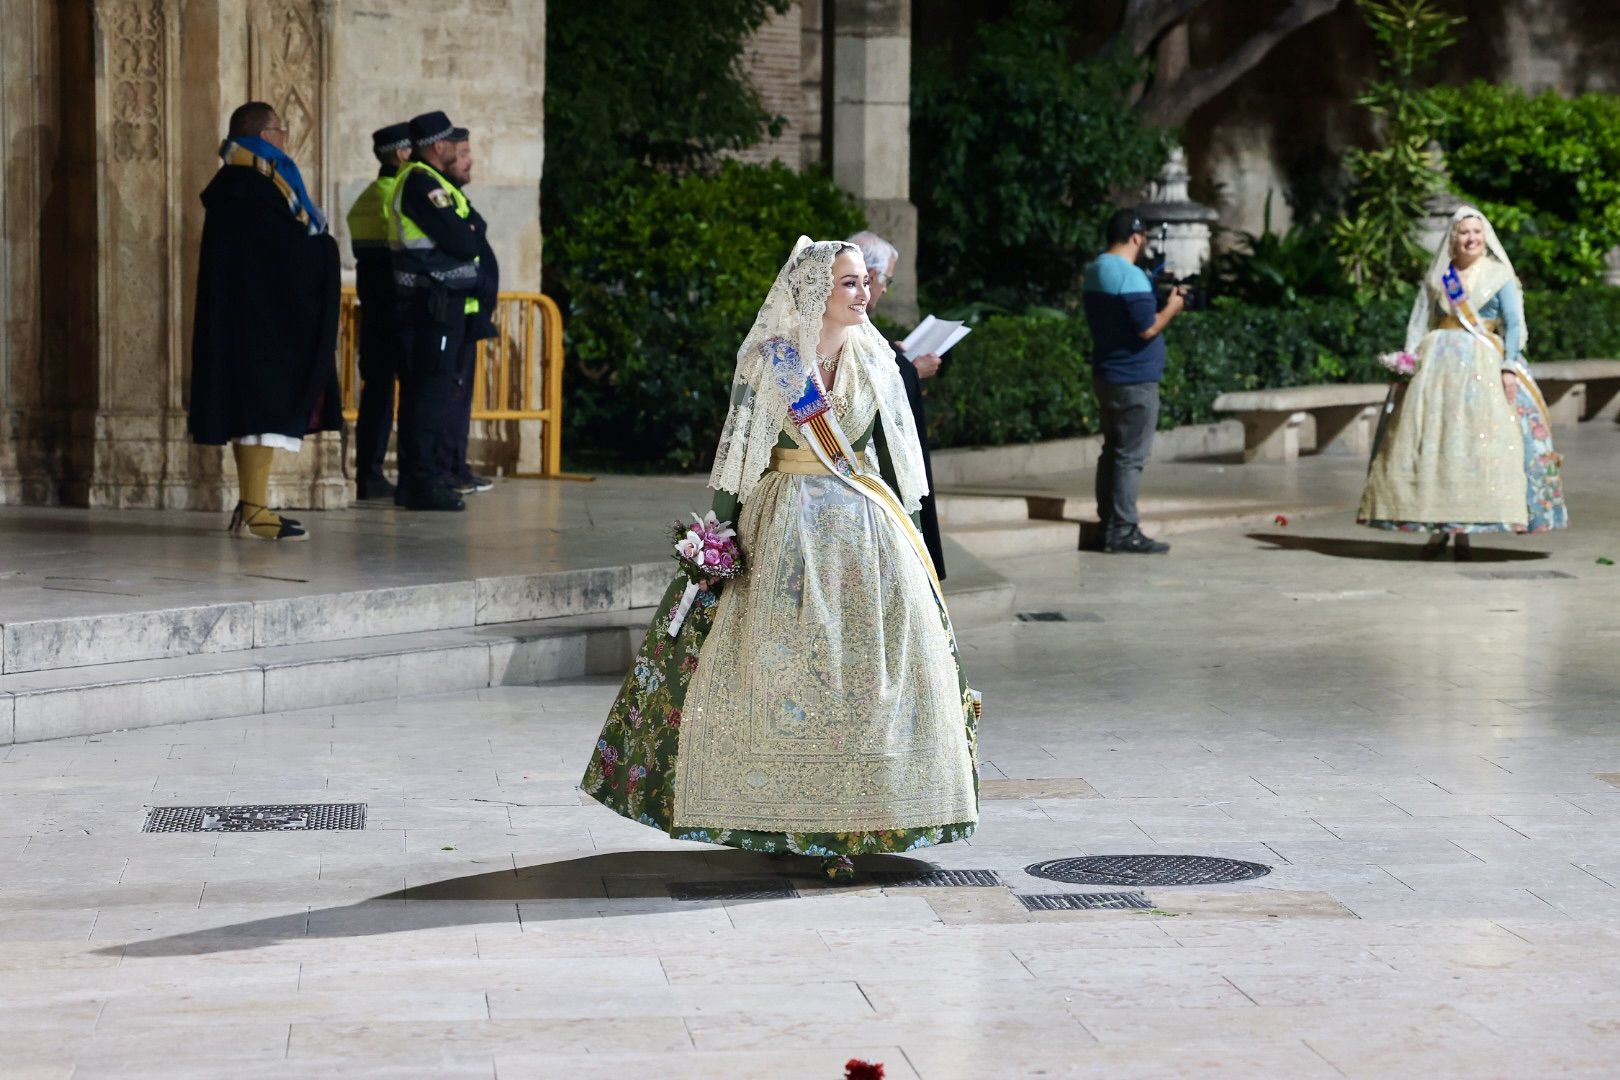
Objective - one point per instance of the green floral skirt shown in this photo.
(632, 771)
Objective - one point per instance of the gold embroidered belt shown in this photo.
(1451, 322)
(797, 462)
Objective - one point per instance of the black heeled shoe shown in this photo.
(1434, 547)
(246, 513)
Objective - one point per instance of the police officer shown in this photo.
(480, 325)
(380, 340)
(435, 253)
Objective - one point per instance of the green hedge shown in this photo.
(1019, 378)
(662, 276)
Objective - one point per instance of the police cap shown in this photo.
(433, 127)
(390, 138)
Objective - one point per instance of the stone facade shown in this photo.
(839, 72)
(114, 110)
(775, 66)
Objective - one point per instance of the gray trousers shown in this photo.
(1130, 413)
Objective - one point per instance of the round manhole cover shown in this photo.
(1147, 870)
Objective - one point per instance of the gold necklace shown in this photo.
(830, 363)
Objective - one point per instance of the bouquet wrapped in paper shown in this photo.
(706, 552)
(1402, 365)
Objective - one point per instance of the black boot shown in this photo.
(428, 497)
(375, 486)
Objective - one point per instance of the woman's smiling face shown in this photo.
(1469, 243)
(847, 304)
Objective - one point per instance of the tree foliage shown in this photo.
(1376, 241)
(649, 83)
(664, 273)
(1018, 158)
(1545, 170)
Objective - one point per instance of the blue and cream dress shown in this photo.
(1452, 454)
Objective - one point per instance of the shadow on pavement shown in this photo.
(623, 883)
(1387, 550)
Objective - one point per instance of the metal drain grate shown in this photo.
(287, 818)
(1515, 575)
(924, 879)
(1086, 901)
(1147, 870)
(739, 889)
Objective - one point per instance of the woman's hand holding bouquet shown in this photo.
(706, 552)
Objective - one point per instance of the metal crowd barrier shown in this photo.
(519, 372)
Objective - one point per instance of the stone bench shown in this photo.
(1344, 416)
(1577, 390)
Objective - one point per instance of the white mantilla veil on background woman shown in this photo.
(769, 380)
(1433, 290)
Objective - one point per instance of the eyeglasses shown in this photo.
(283, 130)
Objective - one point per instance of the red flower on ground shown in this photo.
(1280, 520)
(856, 1069)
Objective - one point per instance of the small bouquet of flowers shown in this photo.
(1402, 365)
(706, 550)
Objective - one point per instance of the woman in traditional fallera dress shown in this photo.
(816, 705)
(1466, 447)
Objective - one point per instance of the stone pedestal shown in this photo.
(1184, 225)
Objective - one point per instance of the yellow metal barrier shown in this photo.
(518, 375)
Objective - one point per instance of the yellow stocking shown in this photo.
(253, 482)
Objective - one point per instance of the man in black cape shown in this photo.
(264, 343)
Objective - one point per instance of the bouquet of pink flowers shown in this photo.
(1402, 365)
(706, 551)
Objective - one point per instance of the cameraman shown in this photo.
(1127, 363)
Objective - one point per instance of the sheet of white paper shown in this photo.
(935, 336)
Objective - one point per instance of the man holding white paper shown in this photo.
(918, 358)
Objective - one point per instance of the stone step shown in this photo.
(1045, 535)
(227, 627)
(143, 693)
(956, 510)
(1016, 539)
(91, 699)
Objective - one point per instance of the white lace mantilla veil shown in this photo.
(1433, 291)
(770, 378)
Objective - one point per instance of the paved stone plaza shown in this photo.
(1425, 754)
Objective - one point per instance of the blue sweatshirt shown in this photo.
(1120, 306)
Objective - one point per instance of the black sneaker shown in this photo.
(373, 487)
(473, 483)
(1134, 543)
(435, 497)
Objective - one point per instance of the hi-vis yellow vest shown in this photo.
(410, 244)
(369, 217)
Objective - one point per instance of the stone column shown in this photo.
(124, 413)
(871, 129)
(159, 114)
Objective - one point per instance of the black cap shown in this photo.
(433, 127)
(392, 137)
(1124, 225)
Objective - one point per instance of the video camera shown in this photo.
(1165, 283)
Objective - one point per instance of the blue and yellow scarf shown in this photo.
(254, 152)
